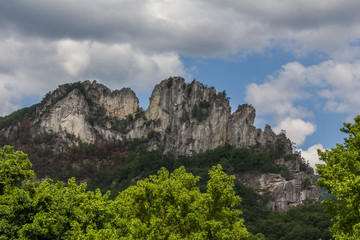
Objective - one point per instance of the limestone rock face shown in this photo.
(69, 115)
(283, 194)
(242, 133)
(191, 117)
(120, 103)
(68, 111)
(183, 117)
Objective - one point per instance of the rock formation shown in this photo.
(181, 118)
(184, 117)
(281, 193)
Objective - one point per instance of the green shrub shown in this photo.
(184, 117)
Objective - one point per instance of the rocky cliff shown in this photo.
(181, 118)
(184, 117)
(281, 193)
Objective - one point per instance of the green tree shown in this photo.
(15, 168)
(15, 191)
(341, 177)
(308, 222)
(62, 212)
(170, 206)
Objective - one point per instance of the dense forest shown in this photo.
(303, 222)
(110, 168)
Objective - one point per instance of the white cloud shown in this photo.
(296, 129)
(312, 156)
(26, 68)
(122, 65)
(36, 66)
(5, 95)
(278, 94)
(340, 85)
(74, 56)
(284, 94)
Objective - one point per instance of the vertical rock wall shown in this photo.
(191, 117)
(187, 117)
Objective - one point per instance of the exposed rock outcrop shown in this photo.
(72, 109)
(120, 103)
(281, 193)
(192, 117)
(69, 115)
(242, 132)
(184, 117)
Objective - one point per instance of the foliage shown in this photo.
(66, 88)
(184, 116)
(189, 141)
(200, 112)
(341, 177)
(324, 194)
(305, 184)
(304, 165)
(118, 165)
(308, 222)
(17, 116)
(139, 164)
(121, 125)
(139, 113)
(164, 206)
(169, 82)
(204, 104)
(172, 207)
(15, 168)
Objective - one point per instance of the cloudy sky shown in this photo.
(297, 62)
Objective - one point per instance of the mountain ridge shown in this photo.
(182, 119)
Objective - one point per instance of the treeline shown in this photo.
(117, 165)
(130, 164)
(302, 222)
(48, 210)
(136, 163)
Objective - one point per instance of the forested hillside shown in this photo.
(176, 206)
(102, 138)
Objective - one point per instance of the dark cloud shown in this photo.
(45, 43)
(68, 19)
(205, 28)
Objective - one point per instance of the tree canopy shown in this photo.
(15, 168)
(341, 177)
(163, 206)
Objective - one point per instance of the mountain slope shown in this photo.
(182, 119)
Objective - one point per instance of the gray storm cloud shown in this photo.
(137, 43)
(200, 28)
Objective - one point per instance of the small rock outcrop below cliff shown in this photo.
(182, 118)
(281, 193)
